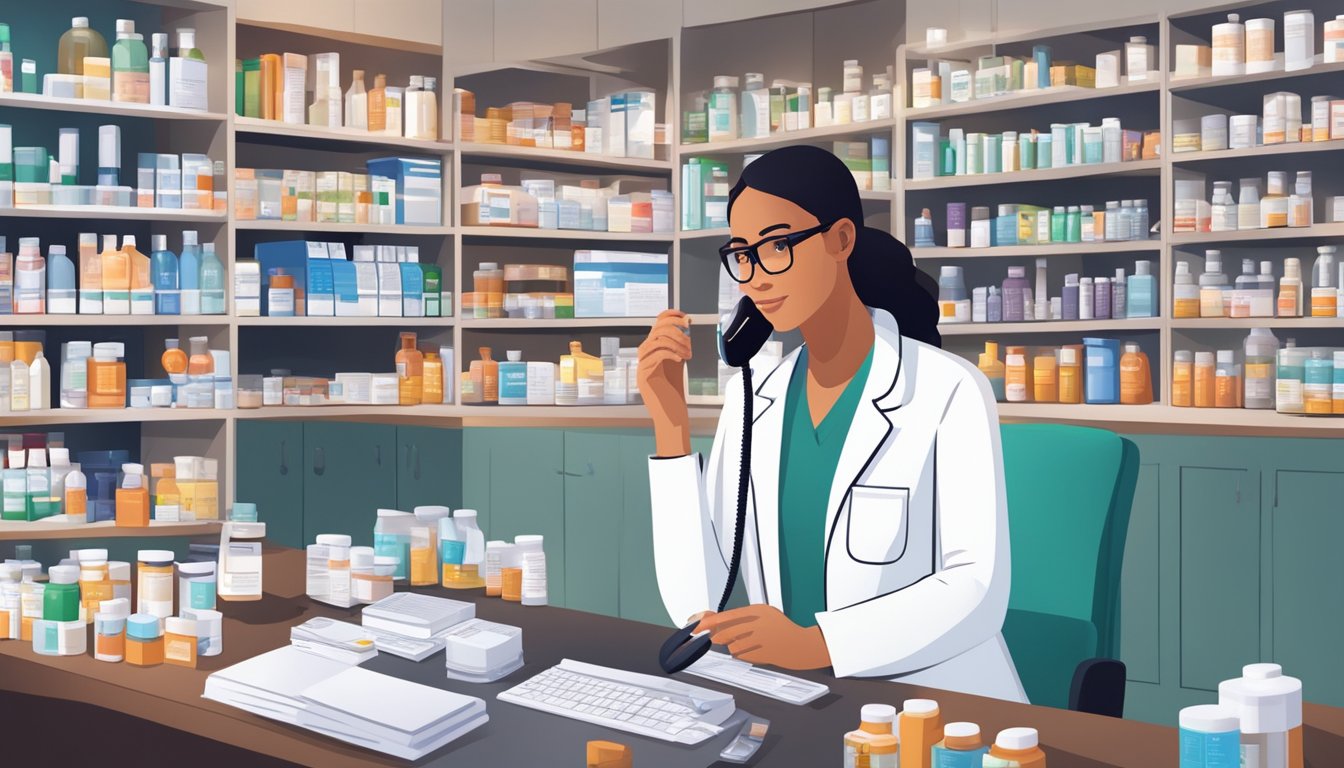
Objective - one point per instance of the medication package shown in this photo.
(479, 651)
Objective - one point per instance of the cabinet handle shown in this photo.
(284, 467)
(589, 473)
(415, 449)
(378, 454)
(319, 461)
(408, 454)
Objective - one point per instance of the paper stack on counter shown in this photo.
(415, 615)
(368, 709)
(479, 651)
(337, 640)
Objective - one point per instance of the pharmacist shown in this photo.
(876, 533)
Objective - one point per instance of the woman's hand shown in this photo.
(662, 381)
(762, 634)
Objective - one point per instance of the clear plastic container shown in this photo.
(78, 42)
(1260, 349)
(250, 391)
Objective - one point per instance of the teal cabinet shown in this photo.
(270, 473)
(349, 472)
(640, 599)
(1307, 528)
(594, 505)
(527, 495)
(429, 467)
(1140, 585)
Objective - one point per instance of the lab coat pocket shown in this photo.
(877, 524)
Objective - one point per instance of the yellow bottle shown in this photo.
(994, 370)
(1070, 381)
(107, 375)
(432, 392)
(1205, 384)
(874, 720)
(921, 726)
(132, 498)
(201, 362)
(581, 378)
(1136, 381)
(142, 285)
(489, 377)
(179, 641)
(1045, 378)
(1183, 379)
(410, 371)
(116, 278)
(1018, 383)
(378, 104)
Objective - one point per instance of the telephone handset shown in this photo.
(741, 336)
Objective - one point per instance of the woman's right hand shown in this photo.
(662, 376)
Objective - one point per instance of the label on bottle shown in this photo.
(1289, 396)
(130, 87)
(1288, 301)
(1259, 381)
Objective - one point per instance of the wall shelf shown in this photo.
(1082, 171)
(476, 151)
(1028, 99)
(1185, 86)
(1246, 323)
(54, 416)
(1314, 232)
(119, 212)
(344, 322)
(1268, 150)
(94, 321)
(1046, 250)
(273, 225)
(107, 108)
(787, 138)
(532, 233)
(11, 530)
(560, 324)
(251, 129)
(1097, 327)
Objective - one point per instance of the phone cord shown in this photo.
(743, 482)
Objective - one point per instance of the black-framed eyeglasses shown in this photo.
(773, 254)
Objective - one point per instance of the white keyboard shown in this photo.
(627, 701)
(723, 668)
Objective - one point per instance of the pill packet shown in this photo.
(749, 739)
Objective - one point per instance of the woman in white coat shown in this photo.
(876, 536)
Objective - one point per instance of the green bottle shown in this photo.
(186, 45)
(212, 282)
(130, 65)
(60, 600)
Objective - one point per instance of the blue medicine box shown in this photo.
(419, 183)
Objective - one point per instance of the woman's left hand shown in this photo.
(762, 634)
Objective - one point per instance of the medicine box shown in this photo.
(293, 257)
(619, 284)
(419, 188)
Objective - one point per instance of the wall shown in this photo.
(976, 19)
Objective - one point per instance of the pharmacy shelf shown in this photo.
(1028, 99)
(1314, 232)
(1162, 418)
(112, 416)
(1246, 323)
(105, 321)
(542, 325)
(876, 195)
(107, 108)
(1044, 250)
(11, 530)
(473, 415)
(345, 322)
(472, 152)
(1186, 85)
(1270, 150)
(532, 233)
(1098, 327)
(920, 51)
(255, 130)
(787, 138)
(1081, 171)
(271, 225)
(120, 212)
(720, 233)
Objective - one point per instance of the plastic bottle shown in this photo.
(1070, 297)
(1337, 389)
(1269, 707)
(132, 498)
(76, 495)
(469, 573)
(1014, 287)
(1274, 205)
(1136, 379)
(78, 42)
(1244, 290)
(1018, 379)
(1248, 205)
(954, 303)
(1119, 294)
(993, 370)
(429, 110)
(1086, 295)
(280, 294)
(30, 278)
(186, 44)
(1182, 379)
(1260, 349)
(1262, 302)
(1070, 376)
(158, 69)
(410, 371)
(513, 379)
(1224, 208)
(1186, 292)
(961, 747)
(357, 103)
(432, 393)
(39, 383)
(377, 105)
(874, 720)
(1228, 389)
(1324, 287)
(1016, 748)
(532, 555)
(1045, 377)
(201, 362)
(189, 274)
(130, 65)
(723, 109)
(164, 267)
(1318, 382)
(921, 726)
(924, 229)
(1213, 287)
(1290, 288)
(1205, 392)
(212, 282)
(142, 281)
(1101, 298)
(994, 305)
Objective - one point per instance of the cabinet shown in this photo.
(270, 473)
(429, 467)
(527, 495)
(349, 471)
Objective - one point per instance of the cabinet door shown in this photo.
(594, 501)
(269, 461)
(640, 599)
(429, 467)
(349, 472)
(527, 494)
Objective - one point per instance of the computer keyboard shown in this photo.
(723, 668)
(627, 701)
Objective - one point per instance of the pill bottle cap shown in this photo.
(179, 626)
(63, 574)
(154, 556)
(877, 713)
(1209, 718)
(1017, 738)
(920, 706)
(961, 730)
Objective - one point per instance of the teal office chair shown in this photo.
(1069, 495)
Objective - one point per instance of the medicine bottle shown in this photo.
(10, 600)
(109, 630)
(95, 582)
(1016, 748)
(1269, 706)
(960, 748)
(339, 583)
(361, 574)
(532, 556)
(154, 582)
(209, 631)
(384, 568)
(874, 720)
(195, 587)
(144, 640)
(179, 641)
(511, 573)
(425, 569)
(473, 553)
(494, 550)
(883, 752)
(1210, 737)
(60, 600)
(921, 727)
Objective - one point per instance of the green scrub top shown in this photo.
(807, 462)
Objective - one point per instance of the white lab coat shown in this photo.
(917, 560)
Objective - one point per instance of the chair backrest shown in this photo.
(1070, 490)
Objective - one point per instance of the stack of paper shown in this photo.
(416, 615)
(337, 640)
(375, 711)
(479, 651)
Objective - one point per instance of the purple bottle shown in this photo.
(1101, 301)
(1013, 291)
(1070, 302)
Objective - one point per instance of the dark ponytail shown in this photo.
(881, 267)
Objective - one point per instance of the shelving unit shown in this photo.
(118, 212)
(1160, 96)
(42, 530)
